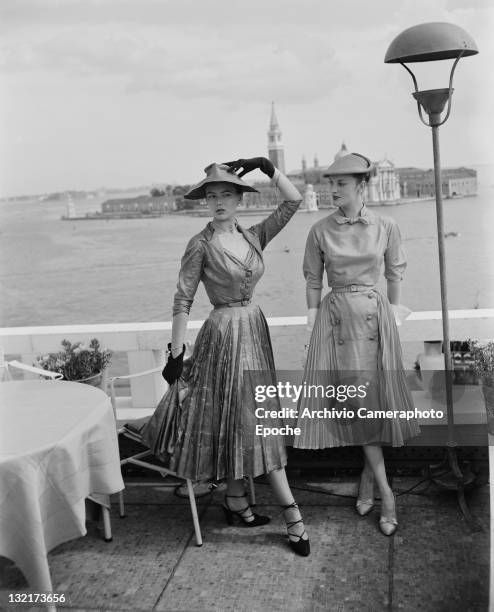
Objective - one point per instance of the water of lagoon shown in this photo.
(55, 272)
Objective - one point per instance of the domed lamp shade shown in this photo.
(430, 42)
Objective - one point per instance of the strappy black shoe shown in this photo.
(300, 546)
(244, 515)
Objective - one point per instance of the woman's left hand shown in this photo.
(253, 163)
(174, 366)
(401, 312)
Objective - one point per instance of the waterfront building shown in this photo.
(70, 207)
(383, 185)
(419, 183)
(139, 206)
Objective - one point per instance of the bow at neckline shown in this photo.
(362, 217)
(352, 220)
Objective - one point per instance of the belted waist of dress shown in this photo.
(351, 288)
(245, 302)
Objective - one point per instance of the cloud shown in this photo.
(474, 5)
(235, 53)
(207, 14)
(233, 67)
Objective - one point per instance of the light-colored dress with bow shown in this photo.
(355, 340)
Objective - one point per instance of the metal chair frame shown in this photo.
(138, 458)
(162, 470)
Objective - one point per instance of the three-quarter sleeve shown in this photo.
(272, 225)
(313, 262)
(394, 256)
(189, 276)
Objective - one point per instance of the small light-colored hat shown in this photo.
(353, 163)
(217, 173)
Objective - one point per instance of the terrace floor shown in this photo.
(434, 562)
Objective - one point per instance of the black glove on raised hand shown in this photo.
(174, 366)
(253, 163)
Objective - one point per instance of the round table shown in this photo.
(58, 445)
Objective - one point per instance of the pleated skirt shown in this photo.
(355, 344)
(205, 426)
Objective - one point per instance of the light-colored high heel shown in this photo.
(388, 523)
(364, 506)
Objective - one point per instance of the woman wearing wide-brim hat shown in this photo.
(354, 339)
(212, 434)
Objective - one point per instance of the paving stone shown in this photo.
(434, 562)
(256, 570)
(439, 564)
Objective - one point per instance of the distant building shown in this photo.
(138, 206)
(419, 183)
(70, 207)
(276, 150)
(383, 185)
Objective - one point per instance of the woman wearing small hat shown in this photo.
(216, 424)
(354, 340)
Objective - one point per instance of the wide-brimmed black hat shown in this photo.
(217, 173)
(353, 163)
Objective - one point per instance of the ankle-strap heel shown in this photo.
(251, 519)
(300, 546)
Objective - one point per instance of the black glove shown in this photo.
(253, 163)
(174, 366)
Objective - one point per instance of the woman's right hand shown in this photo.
(174, 366)
(253, 163)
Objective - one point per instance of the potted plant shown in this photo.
(483, 365)
(79, 362)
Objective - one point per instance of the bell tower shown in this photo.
(276, 151)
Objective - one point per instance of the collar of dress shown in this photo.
(365, 216)
(251, 237)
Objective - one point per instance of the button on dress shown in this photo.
(355, 340)
(213, 431)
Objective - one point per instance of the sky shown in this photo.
(122, 93)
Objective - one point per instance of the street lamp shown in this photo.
(430, 42)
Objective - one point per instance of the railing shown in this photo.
(143, 343)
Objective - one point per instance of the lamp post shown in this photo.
(430, 42)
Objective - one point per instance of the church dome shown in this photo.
(342, 152)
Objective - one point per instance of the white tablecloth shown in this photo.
(58, 445)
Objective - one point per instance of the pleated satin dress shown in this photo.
(211, 434)
(355, 340)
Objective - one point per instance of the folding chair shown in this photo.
(129, 424)
(18, 365)
(129, 421)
